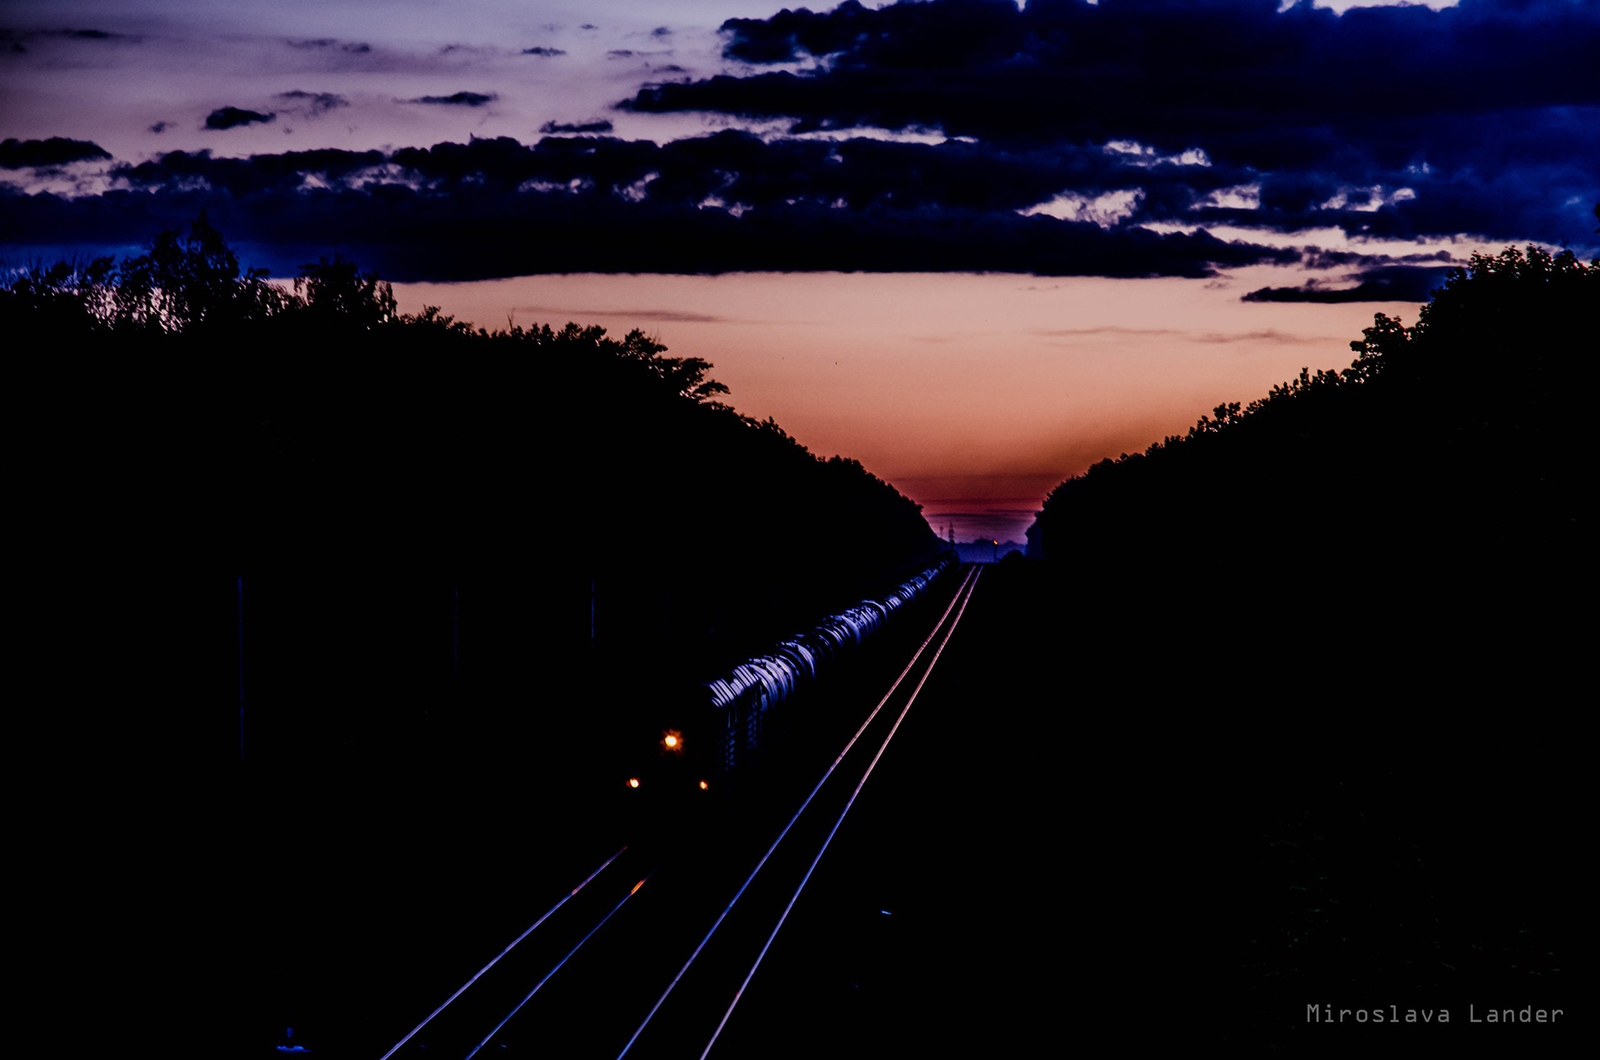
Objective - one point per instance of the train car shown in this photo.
(723, 724)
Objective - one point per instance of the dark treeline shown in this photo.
(1418, 513)
(477, 567)
(449, 538)
(1448, 451)
(1325, 646)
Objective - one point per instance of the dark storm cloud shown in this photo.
(1485, 116)
(1386, 283)
(458, 99)
(313, 104)
(160, 127)
(56, 151)
(233, 117)
(850, 176)
(597, 125)
(985, 68)
(548, 53)
(245, 178)
(727, 202)
(1334, 259)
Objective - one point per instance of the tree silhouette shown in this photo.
(336, 293)
(1460, 430)
(316, 439)
(46, 303)
(188, 282)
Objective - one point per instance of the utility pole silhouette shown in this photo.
(240, 629)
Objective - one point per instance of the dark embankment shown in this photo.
(1326, 649)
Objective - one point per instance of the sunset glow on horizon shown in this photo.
(878, 222)
(497, 425)
(974, 395)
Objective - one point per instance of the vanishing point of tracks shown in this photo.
(650, 953)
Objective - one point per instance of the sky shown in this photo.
(974, 244)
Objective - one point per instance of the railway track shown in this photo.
(650, 954)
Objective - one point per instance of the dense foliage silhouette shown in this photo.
(441, 530)
(1318, 655)
(1449, 445)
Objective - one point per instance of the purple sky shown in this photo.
(1045, 219)
(109, 70)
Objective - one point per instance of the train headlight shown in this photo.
(704, 785)
(672, 740)
(633, 782)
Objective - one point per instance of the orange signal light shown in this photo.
(671, 740)
(633, 782)
(703, 785)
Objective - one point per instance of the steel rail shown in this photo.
(463, 989)
(971, 578)
(633, 891)
(970, 589)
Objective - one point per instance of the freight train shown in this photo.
(727, 722)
